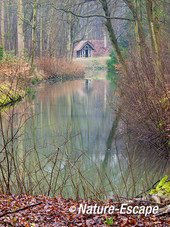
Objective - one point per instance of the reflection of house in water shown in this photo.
(88, 86)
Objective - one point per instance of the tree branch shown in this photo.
(21, 209)
(94, 15)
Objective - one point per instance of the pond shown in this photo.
(67, 139)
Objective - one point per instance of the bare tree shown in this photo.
(20, 29)
(33, 32)
(3, 23)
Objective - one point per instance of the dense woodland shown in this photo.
(45, 28)
(51, 28)
(48, 27)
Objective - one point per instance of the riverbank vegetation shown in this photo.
(140, 70)
(14, 77)
(146, 104)
(17, 77)
(60, 68)
(37, 44)
(144, 100)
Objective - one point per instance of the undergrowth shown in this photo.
(145, 104)
(59, 68)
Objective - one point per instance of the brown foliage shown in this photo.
(14, 77)
(13, 68)
(38, 211)
(146, 103)
(59, 67)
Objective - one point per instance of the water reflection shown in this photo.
(78, 112)
(79, 106)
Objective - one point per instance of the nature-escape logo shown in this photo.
(124, 209)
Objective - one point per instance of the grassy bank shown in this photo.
(92, 63)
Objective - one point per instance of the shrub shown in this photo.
(14, 72)
(9, 56)
(112, 72)
(26, 55)
(1, 52)
(57, 67)
(145, 105)
(33, 81)
(12, 67)
(30, 91)
(113, 66)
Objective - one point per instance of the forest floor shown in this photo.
(41, 211)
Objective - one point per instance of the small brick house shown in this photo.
(84, 49)
(95, 48)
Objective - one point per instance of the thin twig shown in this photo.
(147, 189)
(21, 209)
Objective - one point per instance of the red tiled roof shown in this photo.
(98, 46)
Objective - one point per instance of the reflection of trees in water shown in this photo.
(134, 167)
(83, 111)
(65, 109)
(129, 166)
(76, 87)
(111, 138)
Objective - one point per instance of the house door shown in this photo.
(87, 54)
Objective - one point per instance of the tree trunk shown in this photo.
(41, 33)
(152, 28)
(8, 18)
(154, 39)
(113, 36)
(105, 39)
(33, 33)
(69, 38)
(20, 30)
(140, 37)
(3, 23)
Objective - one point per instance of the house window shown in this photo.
(78, 54)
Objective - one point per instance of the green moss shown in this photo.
(166, 187)
(161, 183)
(9, 95)
(6, 107)
(163, 187)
